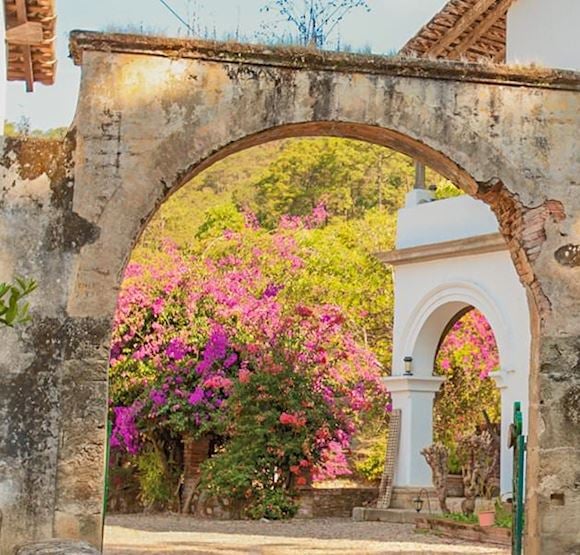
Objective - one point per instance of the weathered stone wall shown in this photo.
(333, 502)
(154, 112)
(39, 237)
(57, 547)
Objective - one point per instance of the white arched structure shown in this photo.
(436, 309)
(450, 257)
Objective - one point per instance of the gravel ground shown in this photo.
(180, 535)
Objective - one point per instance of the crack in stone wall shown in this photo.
(524, 230)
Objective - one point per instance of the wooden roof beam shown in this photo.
(462, 25)
(488, 22)
(22, 18)
(25, 33)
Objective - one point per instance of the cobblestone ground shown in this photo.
(180, 535)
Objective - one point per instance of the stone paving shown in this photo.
(181, 535)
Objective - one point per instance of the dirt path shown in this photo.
(178, 535)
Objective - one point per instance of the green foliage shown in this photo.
(347, 176)
(460, 517)
(341, 269)
(231, 180)
(290, 177)
(503, 515)
(12, 310)
(23, 129)
(127, 381)
(369, 457)
(10, 129)
(219, 219)
(273, 504)
(266, 454)
(154, 481)
(446, 189)
(454, 461)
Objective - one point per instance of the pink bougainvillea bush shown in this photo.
(467, 356)
(211, 344)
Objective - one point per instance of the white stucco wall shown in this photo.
(428, 294)
(433, 222)
(544, 32)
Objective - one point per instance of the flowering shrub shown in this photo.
(213, 344)
(274, 440)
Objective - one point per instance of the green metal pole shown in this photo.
(518, 442)
(107, 455)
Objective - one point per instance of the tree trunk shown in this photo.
(195, 452)
(437, 456)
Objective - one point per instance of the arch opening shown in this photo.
(449, 308)
(208, 232)
(468, 401)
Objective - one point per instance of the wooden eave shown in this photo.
(468, 30)
(30, 38)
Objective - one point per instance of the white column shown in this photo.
(414, 395)
(512, 388)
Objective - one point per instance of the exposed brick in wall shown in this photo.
(524, 230)
(195, 452)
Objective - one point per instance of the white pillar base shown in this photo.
(414, 395)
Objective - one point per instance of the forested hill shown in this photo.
(291, 177)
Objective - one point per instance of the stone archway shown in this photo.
(153, 113)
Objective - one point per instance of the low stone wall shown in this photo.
(333, 502)
(57, 547)
(314, 502)
(464, 531)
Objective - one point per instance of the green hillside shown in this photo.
(291, 177)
